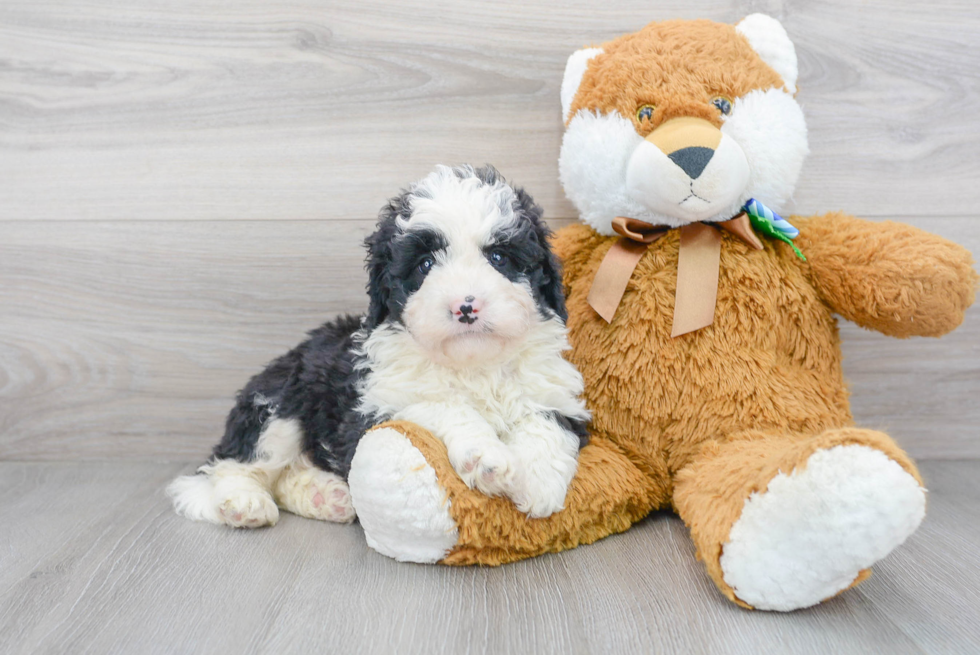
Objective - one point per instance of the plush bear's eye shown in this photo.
(723, 104)
(645, 113)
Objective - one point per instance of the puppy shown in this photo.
(464, 336)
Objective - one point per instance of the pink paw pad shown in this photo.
(318, 499)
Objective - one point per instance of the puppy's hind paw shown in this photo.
(315, 494)
(331, 503)
(248, 509)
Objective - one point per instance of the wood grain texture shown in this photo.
(318, 109)
(129, 339)
(115, 571)
(132, 135)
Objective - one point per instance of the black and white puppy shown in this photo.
(464, 336)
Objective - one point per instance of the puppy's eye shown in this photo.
(497, 258)
(723, 104)
(645, 113)
(426, 265)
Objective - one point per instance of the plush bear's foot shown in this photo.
(402, 508)
(813, 531)
(784, 521)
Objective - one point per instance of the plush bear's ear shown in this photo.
(768, 38)
(574, 70)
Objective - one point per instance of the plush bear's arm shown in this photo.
(414, 507)
(888, 277)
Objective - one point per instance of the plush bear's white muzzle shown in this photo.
(687, 169)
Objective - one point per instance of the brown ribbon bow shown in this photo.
(697, 268)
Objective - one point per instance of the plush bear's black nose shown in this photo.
(692, 160)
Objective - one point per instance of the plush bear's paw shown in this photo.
(810, 534)
(487, 466)
(247, 508)
(315, 494)
(402, 508)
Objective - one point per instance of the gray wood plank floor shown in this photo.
(92, 560)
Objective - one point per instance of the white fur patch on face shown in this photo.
(771, 130)
(465, 210)
(609, 170)
(506, 312)
(595, 154)
(470, 216)
(809, 535)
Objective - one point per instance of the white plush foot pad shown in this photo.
(809, 535)
(402, 508)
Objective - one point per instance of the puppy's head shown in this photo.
(461, 260)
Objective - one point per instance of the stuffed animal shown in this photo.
(703, 324)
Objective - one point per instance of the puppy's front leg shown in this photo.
(479, 457)
(548, 455)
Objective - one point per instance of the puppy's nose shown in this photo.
(467, 310)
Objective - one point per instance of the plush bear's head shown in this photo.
(682, 121)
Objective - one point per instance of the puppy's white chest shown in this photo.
(498, 396)
(398, 375)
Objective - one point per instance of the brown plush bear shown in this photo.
(710, 352)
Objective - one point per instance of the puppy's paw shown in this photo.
(248, 509)
(315, 494)
(329, 500)
(489, 467)
(542, 492)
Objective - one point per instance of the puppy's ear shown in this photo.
(547, 281)
(378, 260)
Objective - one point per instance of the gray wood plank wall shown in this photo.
(184, 186)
